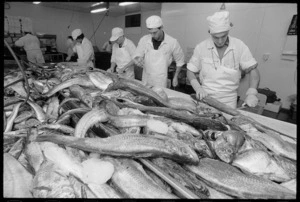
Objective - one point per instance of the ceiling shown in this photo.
(114, 8)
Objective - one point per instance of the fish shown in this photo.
(16, 178)
(292, 185)
(80, 80)
(160, 92)
(89, 119)
(4, 122)
(266, 168)
(52, 109)
(24, 116)
(182, 176)
(202, 108)
(100, 80)
(11, 118)
(162, 184)
(80, 93)
(228, 144)
(128, 145)
(68, 99)
(183, 103)
(61, 158)
(59, 127)
(272, 141)
(39, 113)
(230, 180)
(17, 148)
(195, 120)
(103, 191)
(51, 182)
(132, 181)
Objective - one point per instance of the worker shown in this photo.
(83, 48)
(72, 57)
(155, 52)
(122, 53)
(107, 47)
(219, 60)
(31, 45)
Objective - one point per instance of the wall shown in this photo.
(52, 21)
(262, 27)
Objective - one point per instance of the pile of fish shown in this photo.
(150, 145)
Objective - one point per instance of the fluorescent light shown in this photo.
(126, 3)
(98, 10)
(36, 2)
(96, 4)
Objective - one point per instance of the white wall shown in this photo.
(52, 21)
(262, 27)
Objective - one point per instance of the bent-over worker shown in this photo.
(219, 61)
(83, 48)
(70, 43)
(155, 53)
(31, 45)
(122, 53)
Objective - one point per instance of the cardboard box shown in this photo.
(273, 107)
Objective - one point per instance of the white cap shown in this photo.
(219, 22)
(76, 33)
(153, 21)
(116, 33)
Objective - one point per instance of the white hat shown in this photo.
(116, 33)
(154, 21)
(76, 33)
(219, 22)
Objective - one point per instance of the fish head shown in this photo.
(204, 149)
(224, 150)
(211, 134)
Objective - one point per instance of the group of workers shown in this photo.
(219, 60)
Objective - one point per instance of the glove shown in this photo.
(251, 99)
(200, 92)
(138, 61)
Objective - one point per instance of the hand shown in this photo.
(251, 100)
(121, 70)
(109, 70)
(175, 81)
(138, 61)
(68, 59)
(201, 93)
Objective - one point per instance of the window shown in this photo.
(133, 20)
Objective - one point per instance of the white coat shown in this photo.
(31, 45)
(221, 78)
(122, 56)
(156, 62)
(85, 52)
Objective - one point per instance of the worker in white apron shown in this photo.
(122, 52)
(84, 49)
(219, 61)
(155, 52)
(31, 45)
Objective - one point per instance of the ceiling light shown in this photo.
(126, 3)
(96, 4)
(36, 2)
(98, 10)
(100, 7)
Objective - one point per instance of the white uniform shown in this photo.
(32, 47)
(220, 79)
(156, 62)
(122, 56)
(85, 52)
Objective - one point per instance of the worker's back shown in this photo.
(30, 42)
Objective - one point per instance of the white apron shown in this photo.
(80, 61)
(122, 59)
(220, 83)
(155, 71)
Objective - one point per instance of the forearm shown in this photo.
(131, 63)
(177, 71)
(254, 78)
(193, 80)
